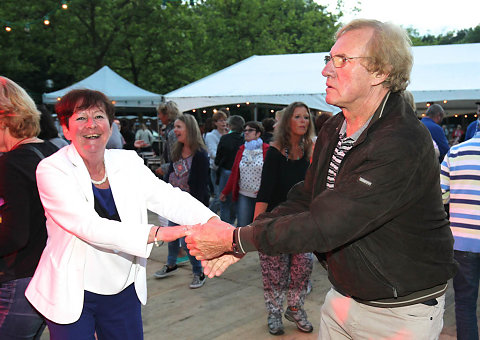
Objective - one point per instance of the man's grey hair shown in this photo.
(435, 110)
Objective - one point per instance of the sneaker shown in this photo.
(275, 325)
(182, 260)
(165, 271)
(299, 316)
(198, 281)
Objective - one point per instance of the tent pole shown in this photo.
(255, 112)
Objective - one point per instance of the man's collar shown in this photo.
(378, 114)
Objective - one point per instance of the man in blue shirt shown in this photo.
(435, 115)
(473, 126)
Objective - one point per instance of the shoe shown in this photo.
(182, 260)
(299, 316)
(275, 325)
(165, 271)
(198, 281)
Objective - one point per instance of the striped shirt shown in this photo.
(460, 183)
(343, 146)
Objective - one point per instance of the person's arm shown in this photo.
(211, 145)
(445, 179)
(220, 152)
(67, 196)
(442, 142)
(198, 175)
(234, 176)
(260, 208)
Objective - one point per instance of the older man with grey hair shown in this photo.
(370, 205)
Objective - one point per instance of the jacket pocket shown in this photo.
(354, 274)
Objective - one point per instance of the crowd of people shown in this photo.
(362, 191)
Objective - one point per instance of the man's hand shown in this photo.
(210, 240)
(216, 267)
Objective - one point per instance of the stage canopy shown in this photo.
(441, 72)
(118, 89)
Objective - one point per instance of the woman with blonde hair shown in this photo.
(286, 163)
(188, 171)
(22, 219)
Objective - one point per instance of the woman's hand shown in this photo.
(167, 234)
(222, 197)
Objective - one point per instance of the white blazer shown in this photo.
(57, 287)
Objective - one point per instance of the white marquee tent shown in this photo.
(274, 79)
(442, 72)
(124, 93)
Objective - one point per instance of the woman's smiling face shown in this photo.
(89, 130)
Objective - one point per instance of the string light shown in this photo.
(194, 110)
(45, 19)
(248, 103)
(228, 109)
(445, 101)
(204, 111)
(238, 105)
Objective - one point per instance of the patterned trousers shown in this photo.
(285, 274)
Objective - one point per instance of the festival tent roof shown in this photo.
(441, 72)
(273, 79)
(124, 93)
(446, 72)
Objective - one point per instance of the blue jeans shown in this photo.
(228, 209)
(245, 210)
(112, 317)
(174, 247)
(465, 284)
(18, 319)
(215, 203)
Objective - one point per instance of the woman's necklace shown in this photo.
(301, 153)
(103, 180)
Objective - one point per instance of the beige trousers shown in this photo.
(344, 318)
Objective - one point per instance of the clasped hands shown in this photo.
(211, 243)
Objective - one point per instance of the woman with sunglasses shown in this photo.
(244, 181)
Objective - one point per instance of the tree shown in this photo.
(157, 47)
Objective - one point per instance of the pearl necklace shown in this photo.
(103, 180)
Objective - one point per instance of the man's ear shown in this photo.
(379, 78)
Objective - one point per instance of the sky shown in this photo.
(427, 16)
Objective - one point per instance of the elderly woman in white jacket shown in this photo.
(91, 276)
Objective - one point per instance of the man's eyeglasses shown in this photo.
(249, 130)
(339, 61)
